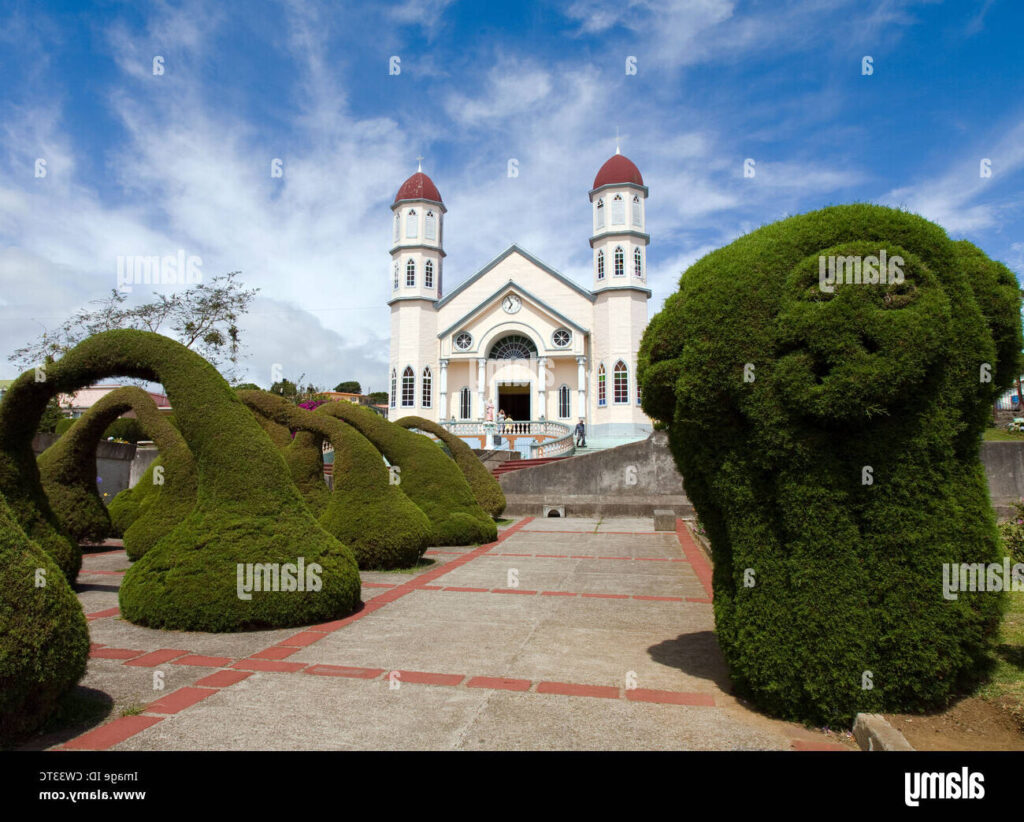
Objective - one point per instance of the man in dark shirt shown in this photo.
(581, 435)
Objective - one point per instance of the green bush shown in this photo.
(247, 513)
(67, 470)
(382, 526)
(44, 641)
(1011, 533)
(485, 487)
(126, 506)
(428, 477)
(830, 444)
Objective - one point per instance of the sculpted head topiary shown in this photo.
(428, 477)
(248, 515)
(485, 487)
(828, 431)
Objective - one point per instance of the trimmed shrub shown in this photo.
(125, 508)
(248, 517)
(67, 471)
(374, 518)
(829, 441)
(485, 487)
(44, 640)
(428, 477)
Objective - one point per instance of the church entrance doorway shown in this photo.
(514, 400)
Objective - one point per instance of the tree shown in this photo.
(203, 318)
(378, 397)
(51, 416)
(349, 387)
(247, 386)
(285, 388)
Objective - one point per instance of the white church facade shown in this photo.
(518, 336)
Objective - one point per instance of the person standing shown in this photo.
(581, 434)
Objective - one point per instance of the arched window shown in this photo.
(600, 265)
(602, 398)
(425, 401)
(394, 387)
(599, 215)
(410, 273)
(412, 227)
(430, 226)
(621, 383)
(636, 211)
(513, 347)
(638, 263)
(428, 274)
(620, 262)
(618, 210)
(408, 387)
(564, 399)
(396, 274)
(397, 222)
(464, 404)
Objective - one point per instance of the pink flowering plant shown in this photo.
(1012, 533)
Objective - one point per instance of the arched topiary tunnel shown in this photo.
(247, 513)
(428, 477)
(828, 435)
(485, 487)
(44, 641)
(68, 473)
(381, 524)
(126, 507)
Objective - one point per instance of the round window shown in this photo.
(562, 337)
(464, 341)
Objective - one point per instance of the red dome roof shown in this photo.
(418, 187)
(618, 169)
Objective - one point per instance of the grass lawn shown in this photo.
(1006, 687)
(1001, 435)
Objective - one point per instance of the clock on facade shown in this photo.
(511, 304)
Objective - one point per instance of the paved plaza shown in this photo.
(575, 634)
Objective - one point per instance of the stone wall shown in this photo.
(114, 461)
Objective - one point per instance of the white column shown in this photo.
(481, 375)
(442, 394)
(542, 409)
(581, 386)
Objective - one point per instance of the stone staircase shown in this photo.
(516, 465)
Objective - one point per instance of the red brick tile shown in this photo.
(328, 627)
(552, 556)
(154, 658)
(115, 653)
(511, 591)
(500, 683)
(670, 697)
(222, 679)
(422, 678)
(341, 670)
(568, 689)
(558, 594)
(106, 736)
(204, 661)
(429, 587)
(302, 640)
(269, 665)
(101, 614)
(276, 652)
(705, 600)
(179, 700)
(607, 596)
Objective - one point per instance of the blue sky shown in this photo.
(139, 164)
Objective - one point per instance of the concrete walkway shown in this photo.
(563, 634)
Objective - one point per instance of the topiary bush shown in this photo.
(382, 526)
(485, 487)
(67, 471)
(248, 512)
(829, 440)
(126, 506)
(44, 641)
(428, 477)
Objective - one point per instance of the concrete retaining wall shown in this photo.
(634, 479)
(631, 480)
(113, 463)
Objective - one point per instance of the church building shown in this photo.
(518, 336)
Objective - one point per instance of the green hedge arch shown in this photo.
(67, 470)
(248, 512)
(376, 519)
(485, 487)
(830, 444)
(126, 507)
(428, 477)
(44, 639)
